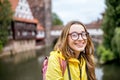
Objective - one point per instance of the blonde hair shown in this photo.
(62, 45)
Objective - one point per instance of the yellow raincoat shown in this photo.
(54, 71)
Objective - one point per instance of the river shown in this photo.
(27, 66)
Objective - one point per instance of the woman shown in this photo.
(75, 46)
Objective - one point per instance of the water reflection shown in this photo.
(24, 71)
(20, 57)
(99, 73)
(27, 66)
(111, 72)
(22, 66)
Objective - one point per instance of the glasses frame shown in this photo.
(79, 34)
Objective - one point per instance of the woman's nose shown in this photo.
(80, 37)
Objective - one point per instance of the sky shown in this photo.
(85, 11)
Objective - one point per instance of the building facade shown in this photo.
(23, 27)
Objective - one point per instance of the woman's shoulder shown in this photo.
(56, 54)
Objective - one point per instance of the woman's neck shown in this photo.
(77, 54)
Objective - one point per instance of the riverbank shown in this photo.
(7, 51)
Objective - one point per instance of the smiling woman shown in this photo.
(74, 47)
(78, 39)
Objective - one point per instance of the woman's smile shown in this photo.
(79, 45)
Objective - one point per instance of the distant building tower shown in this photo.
(38, 10)
(48, 21)
(41, 10)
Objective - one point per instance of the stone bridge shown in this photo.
(95, 35)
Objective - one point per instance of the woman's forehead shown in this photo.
(76, 28)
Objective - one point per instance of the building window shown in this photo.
(24, 33)
(18, 33)
(33, 33)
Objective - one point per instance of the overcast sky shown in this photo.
(85, 11)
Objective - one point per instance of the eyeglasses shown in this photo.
(75, 35)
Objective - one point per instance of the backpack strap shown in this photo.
(62, 65)
(44, 67)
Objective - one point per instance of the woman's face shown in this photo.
(77, 38)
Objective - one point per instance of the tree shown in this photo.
(110, 26)
(5, 20)
(116, 43)
(56, 20)
(111, 20)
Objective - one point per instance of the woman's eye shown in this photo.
(74, 35)
(83, 33)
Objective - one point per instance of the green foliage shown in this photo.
(56, 20)
(116, 43)
(104, 55)
(111, 20)
(110, 48)
(5, 20)
(1, 46)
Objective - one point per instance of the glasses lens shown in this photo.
(84, 35)
(74, 36)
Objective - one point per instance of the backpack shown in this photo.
(45, 64)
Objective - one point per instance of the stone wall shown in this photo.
(23, 45)
(18, 46)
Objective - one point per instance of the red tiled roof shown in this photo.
(39, 27)
(57, 27)
(14, 4)
(94, 25)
